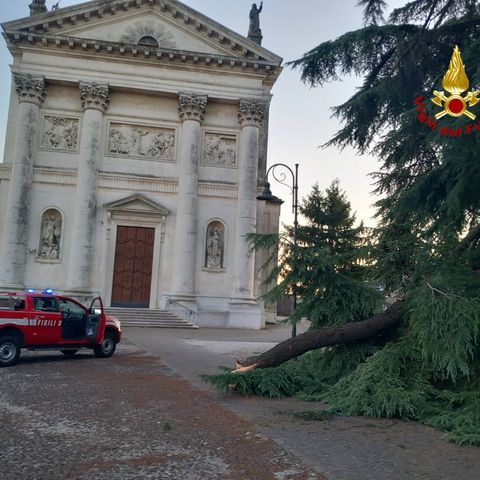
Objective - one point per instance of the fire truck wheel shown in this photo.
(69, 353)
(107, 347)
(9, 351)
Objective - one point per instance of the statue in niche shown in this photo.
(50, 234)
(214, 245)
(254, 28)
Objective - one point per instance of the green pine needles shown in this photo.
(425, 250)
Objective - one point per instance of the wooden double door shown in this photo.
(132, 271)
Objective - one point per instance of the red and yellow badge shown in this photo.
(455, 82)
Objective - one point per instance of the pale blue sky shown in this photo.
(300, 116)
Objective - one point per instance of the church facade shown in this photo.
(136, 147)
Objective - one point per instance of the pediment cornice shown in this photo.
(27, 39)
(136, 203)
(53, 23)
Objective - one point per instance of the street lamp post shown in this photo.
(269, 197)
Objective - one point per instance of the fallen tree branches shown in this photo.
(325, 337)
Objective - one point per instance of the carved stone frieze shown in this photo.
(30, 89)
(94, 96)
(220, 150)
(60, 133)
(251, 113)
(192, 107)
(141, 141)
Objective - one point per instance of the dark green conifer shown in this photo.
(427, 249)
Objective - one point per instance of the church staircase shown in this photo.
(144, 317)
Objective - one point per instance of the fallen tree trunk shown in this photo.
(325, 337)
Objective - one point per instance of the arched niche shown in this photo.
(50, 234)
(215, 245)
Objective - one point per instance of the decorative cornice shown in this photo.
(30, 89)
(268, 69)
(94, 96)
(192, 107)
(188, 18)
(250, 113)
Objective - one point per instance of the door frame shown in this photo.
(151, 215)
(123, 224)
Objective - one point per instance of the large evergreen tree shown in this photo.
(428, 249)
(327, 270)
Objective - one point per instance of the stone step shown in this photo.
(143, 317)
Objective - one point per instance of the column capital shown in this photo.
(251, 113)
(192, 107)
(30, 89)
(94, 96)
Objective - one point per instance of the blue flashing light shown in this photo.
(48, 291)
(31, 290)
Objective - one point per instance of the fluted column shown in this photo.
(192, 109)
(95, 99)
(31, 93)
(250, 117)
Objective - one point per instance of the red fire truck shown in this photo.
(46, 321)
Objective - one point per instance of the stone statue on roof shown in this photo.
(254, 31)
(37, 6)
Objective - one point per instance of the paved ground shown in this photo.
(344, 448)
(125, 418)
(134, 417)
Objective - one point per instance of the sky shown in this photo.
(300, 118)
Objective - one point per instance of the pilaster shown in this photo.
(95, 99)
(31, 93)
(243, 308)
(192, 109)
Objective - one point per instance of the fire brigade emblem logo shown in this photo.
(455, 82)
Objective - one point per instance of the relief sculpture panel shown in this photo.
(220, 150)
(60, 133)
(141, 142)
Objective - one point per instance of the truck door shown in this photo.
(45, 320)
(74, 320)
(96, 321)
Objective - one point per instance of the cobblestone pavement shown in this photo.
(343, 448)
(125, 418)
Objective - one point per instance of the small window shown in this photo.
(148, 41)
(67, 306)
(19, 303)
(45, 304)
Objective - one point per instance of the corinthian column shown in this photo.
(31, 93)
(244, 311)
(250, 117)
(192, 109)
(95, 100)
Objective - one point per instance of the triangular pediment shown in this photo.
(136, 204)
(149, 26)
(173, 25)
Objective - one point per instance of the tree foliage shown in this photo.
(426, 248)
(329, 265)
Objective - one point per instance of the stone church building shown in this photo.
(136, 147)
